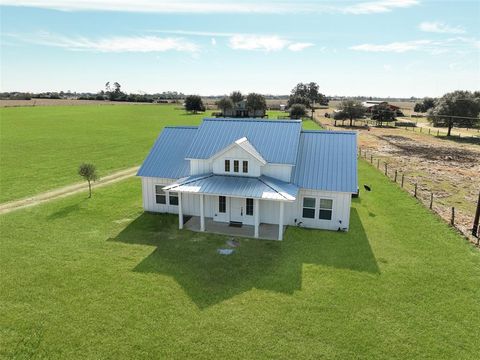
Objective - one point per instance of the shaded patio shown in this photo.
(266, 231)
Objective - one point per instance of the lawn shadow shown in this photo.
(65, 211)
(466, 139)
(209, 278)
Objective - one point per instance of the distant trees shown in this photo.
(351, 109)
(225, 104)
(308, 95)
(236, 97)
(89, 173)
(256, 102)
(297, 111)
(194, 103)
(383, 113)
(425, 105)
(458, 108)
(114, 93)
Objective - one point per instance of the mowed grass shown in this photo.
(99, 278)
(42, 147)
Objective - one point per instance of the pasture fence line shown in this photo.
(425, 196)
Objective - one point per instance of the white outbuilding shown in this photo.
(253, 173)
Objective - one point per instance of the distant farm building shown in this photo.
(371, 105)
(240, 110)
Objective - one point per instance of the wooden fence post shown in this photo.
(429, 131)
(386, 169)
(395, 179)
(431, 200)
(438, 132)
(378, 163)
(452, 220)
(403, 176)
(476, 220)
(415, 193)
(371, 159)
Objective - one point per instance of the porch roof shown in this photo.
(263, 187)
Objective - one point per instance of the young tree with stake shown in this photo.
(89, 173)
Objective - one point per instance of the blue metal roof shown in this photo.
(276, 140)
(327, 160)
(263, 187)
(167, 157)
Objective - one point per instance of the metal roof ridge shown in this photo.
(271, 187)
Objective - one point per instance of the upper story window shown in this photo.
(227, 165)
(236, 166)
(245, 166)
(160, 197)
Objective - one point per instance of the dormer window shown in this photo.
(236, 166)
(227, 165)
(245, 166)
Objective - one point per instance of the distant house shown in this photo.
(240, 110)
(371, 105)
(253, 173)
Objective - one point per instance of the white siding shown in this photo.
(280, 171)
(200, 166)
(236, 153)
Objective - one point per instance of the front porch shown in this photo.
(265, 231)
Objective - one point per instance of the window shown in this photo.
(173, 198)
(160, 195)
(245, 166)
(222, 204)
(249, 207)
(235, 165)
(308, 208)
(325, 212)
(227, 165)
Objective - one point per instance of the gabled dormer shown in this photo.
(240, 158)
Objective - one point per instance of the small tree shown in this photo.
(425, 105)
(383, 113)
(458, 108)
(236, 97)
(256, 102)
(308, 95)
(89, 173)
(297, 111)
(225, 104)
(352, 109)
(194, 103)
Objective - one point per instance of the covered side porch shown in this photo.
(236, 197)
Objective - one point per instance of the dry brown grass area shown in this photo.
(448, 168)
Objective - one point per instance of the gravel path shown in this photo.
(66, 191)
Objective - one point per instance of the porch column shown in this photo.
(202, 214)
(180, 211)
(256, 213)
(280, 221)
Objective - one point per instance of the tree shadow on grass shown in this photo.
(466, 139)
(209, 278)
(65, 211)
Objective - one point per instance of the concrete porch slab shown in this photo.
(266, 231)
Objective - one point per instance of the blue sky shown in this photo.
(378, 48)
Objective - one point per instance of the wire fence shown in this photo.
(425, 196)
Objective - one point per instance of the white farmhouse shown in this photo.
(252, 173)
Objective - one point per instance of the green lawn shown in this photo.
(98, 279)
(41, 147)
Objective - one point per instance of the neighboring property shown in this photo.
(240, 110)
(370, 105)
(253, 173)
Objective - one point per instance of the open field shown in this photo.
(449, 168)
(104, 280)
(41, 147)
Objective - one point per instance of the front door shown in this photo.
(237, 209)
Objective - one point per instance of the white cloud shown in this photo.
(299, 46)
(387, 67)
(442, 28)
(213, 41)
(456, 45)
(265, 43)
(198, 6)
(375, 7)
(398, 47)
(116, 44)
